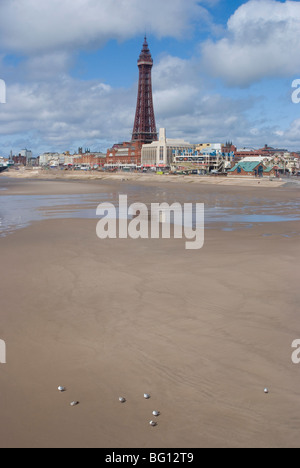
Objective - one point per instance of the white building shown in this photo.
(46, 158)
(160, 153)
(57, 159)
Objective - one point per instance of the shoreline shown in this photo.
(38, 174)
(230, 207)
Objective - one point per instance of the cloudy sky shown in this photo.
(223, 70)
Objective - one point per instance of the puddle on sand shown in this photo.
(17, 212)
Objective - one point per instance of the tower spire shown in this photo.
(144, 129)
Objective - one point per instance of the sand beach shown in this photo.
(203, 332)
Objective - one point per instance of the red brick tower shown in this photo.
(144, 129)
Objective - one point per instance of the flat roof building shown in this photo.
(160, 153)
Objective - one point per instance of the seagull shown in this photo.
(61, 389)
(74, 403)
(122, 400)
(156, 413)
(153, 423)
(146, 396)
(266, 390)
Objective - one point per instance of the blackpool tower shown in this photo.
(144, 129)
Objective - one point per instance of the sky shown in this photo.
(223, 70)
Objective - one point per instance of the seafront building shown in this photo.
(27, 154)
(47, 158)
(52, 159)
(266, 151)
(266, 166)
(161, 153)
(205, 158)
(93, 160)
(124, 155)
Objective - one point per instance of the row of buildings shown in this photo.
(23, 158)
(167, 154)
(89, 160)
(178, 154)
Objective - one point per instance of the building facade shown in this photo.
(126, 154)
(249, 168)
(161, 153)
(246, 153)
(92, 160)
(19, 160)
(206, 158)
(27, 155)
(46, 158)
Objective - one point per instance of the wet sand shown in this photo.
(203, 332)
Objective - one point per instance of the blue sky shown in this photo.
(222, 70)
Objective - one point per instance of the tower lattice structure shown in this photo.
(144, 129)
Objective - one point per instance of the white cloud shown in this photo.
(65, 111)
(48, 110)
(262, 41)
(186, 106)
(31, 26)
(46, 66)
(176, 86)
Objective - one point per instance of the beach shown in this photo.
(203, 332)
(135, 177)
